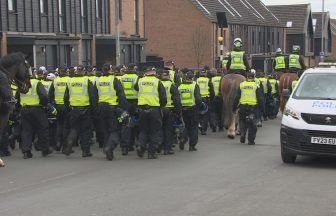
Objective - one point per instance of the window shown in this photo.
(12, 5)
(61, 14)
(44, 6)
(99, 9)
(136, 16)
(84, 12)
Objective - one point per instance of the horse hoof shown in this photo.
(2, 164)
(231, 136)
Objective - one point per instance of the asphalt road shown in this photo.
(223, 178)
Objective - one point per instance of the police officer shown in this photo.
(173, 76)
(237, 60)
(34, 118)
(191, 100)
(111, 96)
(275, 97)
(225, 61)
(152, 96)
(266, 89)
(280, 62)
(171, 112)
(56, 95)
(249, 98)
(216, 104)
(128, 81)
(207, 94)
(80, 95)
(296, 62)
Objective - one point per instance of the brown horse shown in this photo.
(229, 88)
(15, 70)
(286, 83)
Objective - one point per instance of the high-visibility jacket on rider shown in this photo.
(280, 63)
(237, 60)
(294, 61)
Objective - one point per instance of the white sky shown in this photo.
(330, 5)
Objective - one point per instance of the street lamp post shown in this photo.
(322, 34)
(118, 32)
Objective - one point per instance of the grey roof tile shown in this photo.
(333, 26)
(297, 14)
(247, 12)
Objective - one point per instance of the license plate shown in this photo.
(323, 140)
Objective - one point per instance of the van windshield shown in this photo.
(317, 86)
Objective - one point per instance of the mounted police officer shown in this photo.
(249, 99)
(207, 94)
(79, 95)
(111, 96)
(296, 61)
(173, 76)
(129, 131)
(280, 62)
(237, 60)
(191, 101)
(171, 112)
(152, 96)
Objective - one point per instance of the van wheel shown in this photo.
(287, 157)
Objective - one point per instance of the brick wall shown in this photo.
(127, 23)
(170, 27)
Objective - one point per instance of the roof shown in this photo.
(297, 15)
(318, 26)
(333, 26)
(247, 12)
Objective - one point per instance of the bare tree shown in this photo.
(199, 45)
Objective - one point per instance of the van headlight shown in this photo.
(291, 112)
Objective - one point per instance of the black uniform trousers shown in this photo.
(204, 118)
(4, 142)
(248, 126)
(129, 132)
(80, 126)
(150, 129)
(273, 107)
(109, 124)
(216, 109)
(34, 120)
(62, 125)
(168, 129)
(191, 120)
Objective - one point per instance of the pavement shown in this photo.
(222, 178)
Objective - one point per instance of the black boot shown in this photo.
(67, 149)
(192, 148)
(140, 152)
(152, 156)
(86, 153)
(47, 152)
(27, 155)
(242, 139)
(109, 154)
(124, 151)
(168, 152)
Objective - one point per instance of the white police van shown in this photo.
(308, 124)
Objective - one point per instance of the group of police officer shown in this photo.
(148, 111)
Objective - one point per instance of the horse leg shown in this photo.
(232, 128)
(237, 124)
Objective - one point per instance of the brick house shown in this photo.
(300, 31)
(71, 32)
(333, 35)
(174, 29)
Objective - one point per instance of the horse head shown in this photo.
(18, 70)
